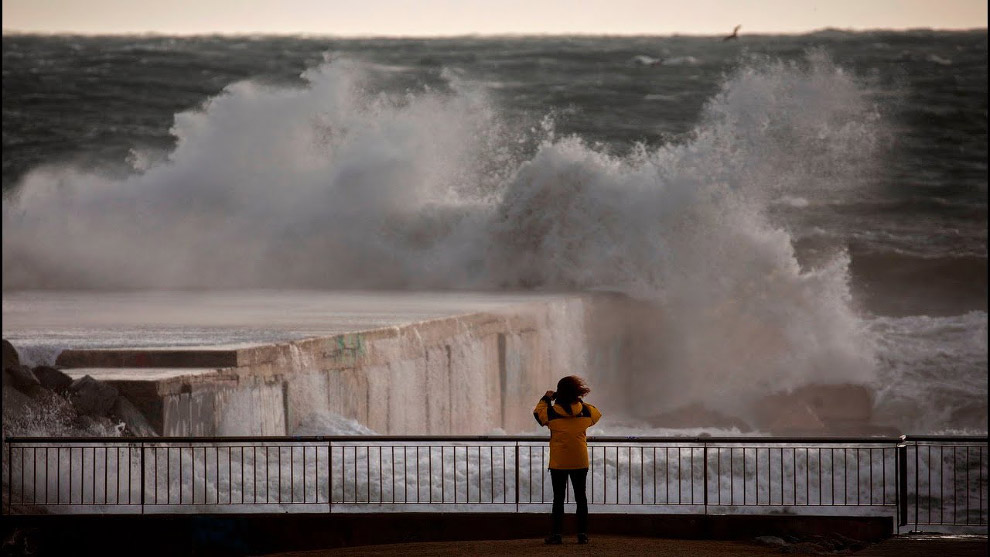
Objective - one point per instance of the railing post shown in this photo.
(10, 478)
(330, 477)
(704, 463)
(517, 476)
(142, 476)
(917, 486)
(901, 493)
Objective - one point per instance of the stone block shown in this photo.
(347, 393)
(378, 398)
(306, 394)
(438, 395)
(407, 397)
(474, 368)
(526, 379)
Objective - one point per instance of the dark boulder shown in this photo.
(10, 357)
(52, 379)
(91, 397)
(21, 378)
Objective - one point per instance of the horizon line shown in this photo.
(232, 34)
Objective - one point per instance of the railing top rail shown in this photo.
(961, 438)
(499, 439)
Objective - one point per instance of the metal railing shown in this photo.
(946, 482)
(921, 481)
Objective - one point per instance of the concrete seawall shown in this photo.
(463, 374)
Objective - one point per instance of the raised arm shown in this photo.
(540, 412)
(596, 414)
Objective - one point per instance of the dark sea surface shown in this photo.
(652, 165)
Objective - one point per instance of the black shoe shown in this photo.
(553, 539)
(583, 538)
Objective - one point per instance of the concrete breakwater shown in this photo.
(463, 374)
(311, 363)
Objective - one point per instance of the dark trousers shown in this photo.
(579, 480)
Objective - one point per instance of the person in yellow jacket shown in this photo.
(568, 420)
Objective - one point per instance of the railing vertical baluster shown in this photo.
(654, 475)
(642, 480)
(718, 475)
(10, 475)
(917, 491)
(46, 475)
(769, 490)
(832, 476)
(901, 493)
(782, 474)
(883, 474)
(34, 478)
(732, 475)
(941, 484)
(142, 476)
(330, 477)
(505, 484)
(517, 476)
(929, 447)
(968, 494)
(793, 476)
(704, 464)
(93, 475)
(81, 476)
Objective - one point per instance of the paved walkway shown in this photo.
(937, 546)
(914, 546)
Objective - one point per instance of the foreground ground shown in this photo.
(906, 546)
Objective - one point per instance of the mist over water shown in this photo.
(339, 183)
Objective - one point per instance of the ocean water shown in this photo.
(808, 208)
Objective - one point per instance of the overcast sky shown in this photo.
(459, 17)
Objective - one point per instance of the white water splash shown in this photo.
(327, 186)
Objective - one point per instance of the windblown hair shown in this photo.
(570, 389)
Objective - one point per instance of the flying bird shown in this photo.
(734, 35)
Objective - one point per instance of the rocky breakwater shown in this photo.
(45, 401)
